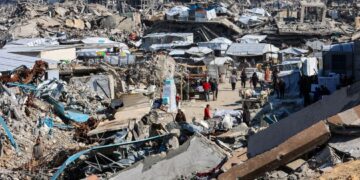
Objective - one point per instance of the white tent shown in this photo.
(294, 51)
(199, 51)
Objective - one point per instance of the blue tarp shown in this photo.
(77, 155)
(67, 114)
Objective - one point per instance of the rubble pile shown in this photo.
(75, 19)
(174, 90)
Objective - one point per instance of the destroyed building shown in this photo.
(144, 89)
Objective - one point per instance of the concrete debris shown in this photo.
(196, 155)
(292, 148)
(295, 164)
(296, 122)
(149, 89)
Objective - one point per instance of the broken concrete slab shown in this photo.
(196, 155)
(47, 22)
(348, 145)
(75, 23)
(291, 149)
(60, 11)
(325, 158)
(26, 31)
(349, 117)
(108, 126)
(279, 132)
(241, 130)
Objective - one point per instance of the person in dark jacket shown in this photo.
(243, 78)
(214, 88)
(233, 80)
(180, 116)
(254, 79)
(246, 115)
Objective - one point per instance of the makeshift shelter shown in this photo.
(294, 51)
(219, 45)
(252, 52)
(250, 38)
(204, 14)
(158, 41)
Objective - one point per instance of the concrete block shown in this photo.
(341, 100)
(291, 149)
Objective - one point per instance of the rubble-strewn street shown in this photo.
(179, 89)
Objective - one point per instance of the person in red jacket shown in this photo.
(207, 112)
(207, 88)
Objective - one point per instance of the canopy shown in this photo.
(294, 51)
(221, 61)
(199, 51)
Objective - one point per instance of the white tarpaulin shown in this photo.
(182, 11)
(294, 51)
(220, 61)
(251, 49)
(258, 11)
(310, 66)
(245, 19)
(220, 43)
(199, 51)
(250, 38)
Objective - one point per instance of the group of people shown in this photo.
(254, 80)
(210, 86)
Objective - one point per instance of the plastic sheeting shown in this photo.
(169, 94)
(291, 79)
(199, 51)
(294, 51)
(181, 11)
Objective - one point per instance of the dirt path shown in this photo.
(227, 99)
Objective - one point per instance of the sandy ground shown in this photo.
(227, 99)
(347, 171)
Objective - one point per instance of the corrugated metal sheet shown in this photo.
(9, 61)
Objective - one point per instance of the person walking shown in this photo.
(275, 77)
(254, 79)
(243, 78)
(207, 87)
(214, 88)
(233, 80)
(207, 112)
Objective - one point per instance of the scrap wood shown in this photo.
(108, 126)
(237, 157)
(291, 149)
